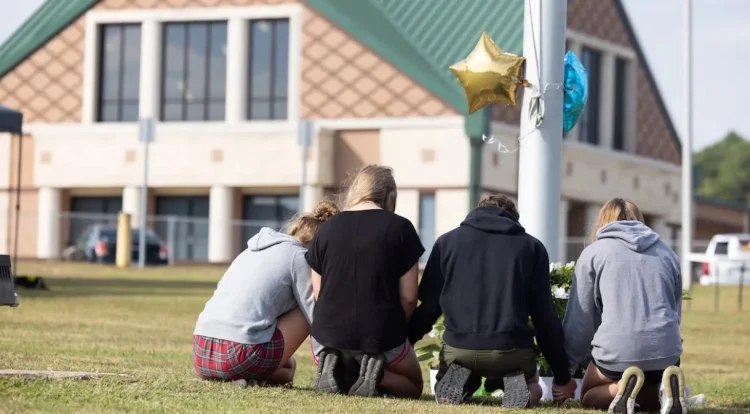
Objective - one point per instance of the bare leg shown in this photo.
(535, 390)
(294, 328)
(284, 374)
(404, 379)
(597, 391)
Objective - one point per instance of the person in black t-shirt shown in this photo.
(487, 277)
(365, 279)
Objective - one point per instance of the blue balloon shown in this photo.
(576, 84)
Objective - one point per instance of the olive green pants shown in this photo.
(490, 364)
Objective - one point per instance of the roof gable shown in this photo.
(46, 22)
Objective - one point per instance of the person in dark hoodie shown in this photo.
(262, 308)
(625, 305)
(487, 277)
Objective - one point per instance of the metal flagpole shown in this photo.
(687, 154)
(146, 135)
(304, 141)
(540, 153)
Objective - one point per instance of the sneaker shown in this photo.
(371, 371)
(672, 392)
(451, 388)
(327, 381)
(515, 391)
(627, 391)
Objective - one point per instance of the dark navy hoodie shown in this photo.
(487, 277)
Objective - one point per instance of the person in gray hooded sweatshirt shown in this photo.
(625, 307)
(262, 308)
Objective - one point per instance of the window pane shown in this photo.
(196, 64)
(261, 208)
(172, 112)
(174, 60)
(109, 112)
(260, 110)
(216, 112)
(110, 64)
(590, 117)
(281, 57)
(129, 112)
(279, 109)
(260, 59)
(196, 111)
(218, 60)
(131, 62)
(620, 92)
(426, 223)
(288, 207)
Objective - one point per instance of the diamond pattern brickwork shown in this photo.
(340, 77)
(46, 86)
(600, 19)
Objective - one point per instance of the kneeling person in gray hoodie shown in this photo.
(625, 305)
(262, 308)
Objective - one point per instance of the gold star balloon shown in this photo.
(489, 75)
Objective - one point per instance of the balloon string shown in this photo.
(536, 113)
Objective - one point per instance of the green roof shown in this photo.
(47, 21)
(423, 38)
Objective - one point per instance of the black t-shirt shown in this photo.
(361, 256)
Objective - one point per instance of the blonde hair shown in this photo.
(374, 184)
(305, 226)
(616, 209)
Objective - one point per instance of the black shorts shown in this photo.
(650, 377)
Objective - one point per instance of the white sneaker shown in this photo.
(672, 392)
(627, 391)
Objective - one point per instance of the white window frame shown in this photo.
(238, 49)
(609, 54)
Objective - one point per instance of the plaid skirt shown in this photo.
(219, 359)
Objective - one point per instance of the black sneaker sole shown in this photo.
(450, 388)
(371, 372)
(515, 391)
(673, 383)
(627, 391)
(326, 381)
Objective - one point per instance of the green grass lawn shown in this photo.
(97, 318)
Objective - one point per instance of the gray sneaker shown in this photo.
(672, 392)
(327, 380)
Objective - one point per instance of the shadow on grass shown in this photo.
(83, 287)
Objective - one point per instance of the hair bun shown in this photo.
(325, 210)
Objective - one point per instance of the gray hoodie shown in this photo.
(626, 301)
(268, 279)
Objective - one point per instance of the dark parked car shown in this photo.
(98, 243)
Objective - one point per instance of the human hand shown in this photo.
(560, 393)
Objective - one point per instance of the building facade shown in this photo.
(228, 82)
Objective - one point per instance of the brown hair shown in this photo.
(500, 201)
(616, 209)
(374, 184)
(304, 226)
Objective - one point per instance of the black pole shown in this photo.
(742, 277)
(18, 204)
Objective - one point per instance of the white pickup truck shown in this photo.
(727, 260)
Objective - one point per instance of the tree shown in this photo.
(725, 169)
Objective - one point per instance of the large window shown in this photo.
(268, 69)
(267, 211)
(590, 118)
(195, 66)
(621, 70)
(426, 223)
(119, 72)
